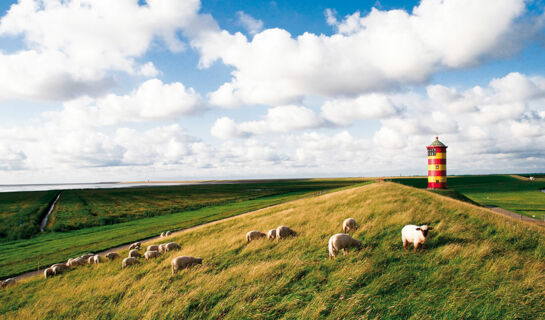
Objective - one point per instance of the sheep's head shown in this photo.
(424, 229)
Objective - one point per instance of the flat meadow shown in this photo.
(477, 265)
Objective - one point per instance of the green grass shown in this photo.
(20, 256)
(78, 209)
(22, 212)
(477, 265)
(508, 192)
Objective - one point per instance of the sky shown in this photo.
(125, 90)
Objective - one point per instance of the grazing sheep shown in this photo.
(96, 258)
(414, 234)
(112, 255)
(153, 248)
(91, 260)
(349, 224)
(271, 234)
(48, 273)
(254, 235)
(134, 254)
(151, 254)
(76, 262)
(136, 245)
(7, 282)
(57, 270)
(341, 241)
(87, 255)
(172, 246)
(284, 232)
(162, 248)
(184, 262)
(168, 233)
(128, 261)
(162, 234)
(60, 266)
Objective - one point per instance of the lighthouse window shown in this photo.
(437, 167)
(431, 152)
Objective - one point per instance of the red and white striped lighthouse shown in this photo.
(437, 165)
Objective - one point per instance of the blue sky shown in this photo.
(183, 89)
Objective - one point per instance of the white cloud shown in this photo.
(346, 111)
(383, 49)
(152, 100)
(72, 46)
(251, 24)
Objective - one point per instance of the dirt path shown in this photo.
(514, 215)
(174, 233)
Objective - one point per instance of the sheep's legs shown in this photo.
(405, 245)
(415, 247)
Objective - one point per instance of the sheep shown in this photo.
(136, 245)
(134, 254)
(254, 235)
(57, 270)
(341, 241)
(91, 260)
(168, 233)
(284, 232)
(7, 282)
(349, 224)
(532, 178)
(162, 235)
(76, 262)
(112, 255)
(271, 234)
(96, 258)
(61, 266)
(183, 262)
(414, 234)
(128, 261)
(48, 273)
(151, 254)
(162, 248)
(153, 248)
(87, 255)
(171, 246)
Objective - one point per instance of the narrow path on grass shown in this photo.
(515, 215)
(44, 221)
(174, 233)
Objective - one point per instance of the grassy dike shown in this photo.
(477, 266)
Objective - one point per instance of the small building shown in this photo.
(437, 165)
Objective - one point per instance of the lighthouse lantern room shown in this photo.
(437, 165)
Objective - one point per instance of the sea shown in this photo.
(100, 185)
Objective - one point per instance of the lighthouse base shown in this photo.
(435, 185)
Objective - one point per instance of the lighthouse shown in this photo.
(437, 165)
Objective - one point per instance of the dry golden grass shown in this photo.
(477, 265)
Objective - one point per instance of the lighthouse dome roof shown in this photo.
(437, 143)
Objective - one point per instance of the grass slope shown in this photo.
(508, 192)
(477, 266)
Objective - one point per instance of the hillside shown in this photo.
(477, 266)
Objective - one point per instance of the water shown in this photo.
(102, 185)
(44, 221)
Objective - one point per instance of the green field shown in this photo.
(22, 212)
(25, 255)
(508, 192)
(78, 209)
(477, 265)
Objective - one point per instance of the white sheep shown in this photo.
(341, 241)
(96, 258)
(76, 262)
(151, 254)
(284, 232)
(184, 262)
(91, 259)
(48, 273)
(349, 224)
(414, 234)
(162, 235)
(134, 254)
(87, 255)
(60, 266)
(136, 245)
(7, 282)
(162, 248)
(112, 255)
(254, 235)
(128, 261)
(153, 247)
(57, 270)
(168, 233)
(172, 246)
(271, 234)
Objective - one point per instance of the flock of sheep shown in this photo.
(340, 241)
(343, 241)
(152, 251)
